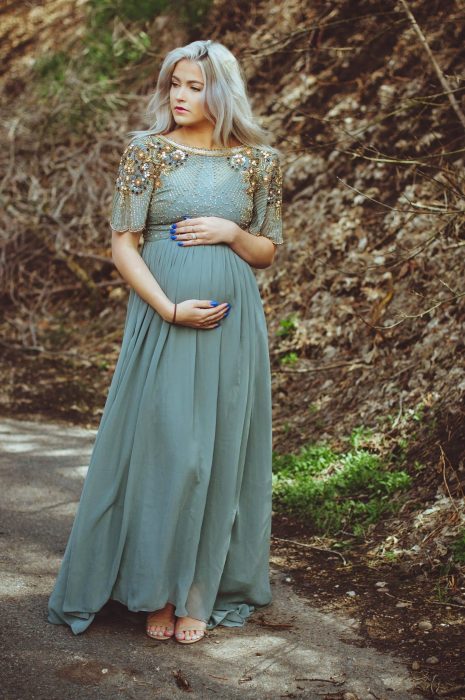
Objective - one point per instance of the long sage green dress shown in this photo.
(176, 503)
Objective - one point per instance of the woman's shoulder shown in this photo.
(143, 140)
(268, 156)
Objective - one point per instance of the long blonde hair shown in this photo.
(226, 103)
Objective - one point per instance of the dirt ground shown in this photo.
(295, 647)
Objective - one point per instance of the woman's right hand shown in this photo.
(199, 313)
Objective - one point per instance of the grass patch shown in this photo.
(287, 326)
(81, 85)
(333, 490)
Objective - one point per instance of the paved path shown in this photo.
(42, 469)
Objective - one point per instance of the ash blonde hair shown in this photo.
(226, 103)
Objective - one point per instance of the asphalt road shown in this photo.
(289, 649)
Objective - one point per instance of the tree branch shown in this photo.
(442, 78)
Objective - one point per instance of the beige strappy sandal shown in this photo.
(165, 621)
(190, 628)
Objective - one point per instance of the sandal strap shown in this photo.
(159, 622)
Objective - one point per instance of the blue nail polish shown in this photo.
(173, 227)
(214, 303)
(173, 238)
(179, 243)
(186, 217)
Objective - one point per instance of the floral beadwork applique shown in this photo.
(273, 180)
(247, 162)
(135, 169)
(141, 162)
(174, 157)
(166, 157)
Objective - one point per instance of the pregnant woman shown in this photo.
(175, 512)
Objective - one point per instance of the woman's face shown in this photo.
(187, 91)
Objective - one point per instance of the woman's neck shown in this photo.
(198, 138)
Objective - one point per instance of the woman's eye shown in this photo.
(193, 88)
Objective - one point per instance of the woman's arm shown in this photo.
(258, 251)
(131, 266)
(196, 313)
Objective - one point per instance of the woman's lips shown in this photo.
(180, 109)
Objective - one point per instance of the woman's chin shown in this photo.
(179, 116)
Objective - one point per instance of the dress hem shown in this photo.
(234, 616)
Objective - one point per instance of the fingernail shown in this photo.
(180, 243)
(186, 217)
(214, 303)
(173, 238)
(172, 225)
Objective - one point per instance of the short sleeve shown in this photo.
(267, 207)
(133, 188)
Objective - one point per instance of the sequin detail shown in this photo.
(247, 164)
(141, 162)
(273, 179)
(134, 170)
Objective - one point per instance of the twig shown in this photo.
(321, 680)
(452, 605)
(412, 316)
(444, 477)
(442, 78)
(43, 351)
(91, 256)
(310, 546)
(450, 691)
(399, 415)
(454, 246)
(417, 208)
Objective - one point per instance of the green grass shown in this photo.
(83, 82)
(287, 326)
(291, 358)
(333, 490)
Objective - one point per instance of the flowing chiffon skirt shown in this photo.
(176, 504)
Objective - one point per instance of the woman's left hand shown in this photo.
(208, 230)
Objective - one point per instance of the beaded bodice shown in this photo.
(159, 181)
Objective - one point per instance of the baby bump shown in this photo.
(199, 272)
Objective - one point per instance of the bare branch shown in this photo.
(442, 78)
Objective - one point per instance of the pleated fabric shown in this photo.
(176, 504)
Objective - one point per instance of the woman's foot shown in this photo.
(160, 624)
(189, 630)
